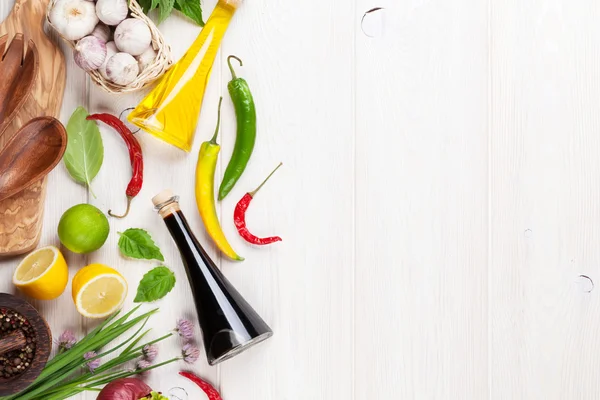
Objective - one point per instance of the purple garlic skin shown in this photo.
(112, 12)
(122, 69)
(102, 32)
(133, 36)
(146, 59)
(89, 53)
(111, 50)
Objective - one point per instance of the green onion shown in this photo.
(63, 376)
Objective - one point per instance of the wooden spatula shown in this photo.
(21, 215)
(31, 154)
(18, 72)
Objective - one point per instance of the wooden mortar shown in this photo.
(16, 339)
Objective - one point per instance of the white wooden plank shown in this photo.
(421, 206)
(62, 193)
(545, 180)
(298, 63)
(164, 167)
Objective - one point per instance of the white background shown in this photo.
(438, 200)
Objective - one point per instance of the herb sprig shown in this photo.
(155, 285)
(190, 8)
(62, 377)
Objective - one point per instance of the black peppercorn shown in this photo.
(18, 361)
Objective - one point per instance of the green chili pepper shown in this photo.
(245, 113)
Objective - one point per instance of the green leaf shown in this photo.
(191, 9)
(85, 151)
(154, 4)
(165, 9)
(155, 285)
(155, 396)
(145, 4)
(137, 243)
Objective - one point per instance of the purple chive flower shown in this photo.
(65, 341)
(92, 365)
(143, 364)
(185, 329)
(190, 353)
(150, 352)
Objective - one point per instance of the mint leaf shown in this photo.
(165, 9)
(145, 4)
(85, 150)
(191, 9)
(155, 285)
(137, 243)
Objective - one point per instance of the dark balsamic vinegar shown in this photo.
(229, 324)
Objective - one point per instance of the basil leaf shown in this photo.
(85, 151)
(191, 9)
(165, 9)
(137, 243)
(155, 285)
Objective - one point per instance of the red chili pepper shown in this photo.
(239, 216)
(135, 157)
(210, 391)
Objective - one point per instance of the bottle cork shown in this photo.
(167, 201)
(162, 197)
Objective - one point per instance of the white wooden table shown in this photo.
(438, 201)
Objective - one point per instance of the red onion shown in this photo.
(125, 389)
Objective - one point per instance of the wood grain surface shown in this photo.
(13, 341)
(43, 344)
(22, 214)
(31, 154)
(19, 69)
(438, 201)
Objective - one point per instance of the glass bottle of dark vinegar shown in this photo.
(229, 324)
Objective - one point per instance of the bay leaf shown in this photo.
(85, 150)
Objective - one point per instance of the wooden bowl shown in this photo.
(42, 350)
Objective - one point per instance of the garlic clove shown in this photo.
(146, 58)
(73, 19)
(122, 69)
(133, 36)
(112, 12)
(102, 32)
(89, 53)
(111, 50)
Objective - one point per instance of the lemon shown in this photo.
(98, 291)
(43, 274)
(83, 228)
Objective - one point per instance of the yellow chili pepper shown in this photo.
(205, 192)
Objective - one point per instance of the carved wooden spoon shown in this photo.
(31, 154)
(18, 71)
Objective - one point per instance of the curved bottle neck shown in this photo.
(166, 203)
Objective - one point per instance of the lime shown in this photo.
(83, 228)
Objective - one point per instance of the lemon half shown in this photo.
(98, 291)
(43, 274)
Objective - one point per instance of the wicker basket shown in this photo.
(154, 71)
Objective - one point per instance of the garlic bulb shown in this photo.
(89, 53)
(112, 12)
(146, 58)
(73, 19)
(133, 36)
(102, 32)
(111, 50)
(122, 69)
